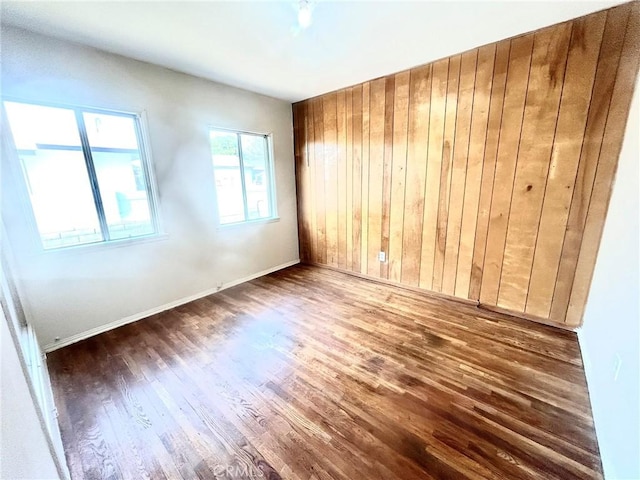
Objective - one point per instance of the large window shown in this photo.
(85, 171)
(242, 169)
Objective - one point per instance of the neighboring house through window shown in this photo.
(243, 176)
(86, 173)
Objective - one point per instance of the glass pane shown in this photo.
(36, 126)
(226, 168)
(53, 164)
(256, 175)
(120, 171)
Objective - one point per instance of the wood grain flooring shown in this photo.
(310, 373)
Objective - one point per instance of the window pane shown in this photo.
(255, 159)
(53, 164)
(33, 125)
(226, 167)
(120, 171)
(111, 131)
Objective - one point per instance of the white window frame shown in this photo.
(270, 169)
(140, 121)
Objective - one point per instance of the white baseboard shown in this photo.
(167, 306)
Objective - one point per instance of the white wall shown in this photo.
(66, 294)
(25, 450)
(611, 322)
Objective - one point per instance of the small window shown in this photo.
(86, 173)
(243, 176)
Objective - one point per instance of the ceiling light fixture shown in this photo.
(304, 14)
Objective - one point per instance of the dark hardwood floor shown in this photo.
(308, 373)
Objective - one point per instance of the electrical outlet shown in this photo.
(382, 257)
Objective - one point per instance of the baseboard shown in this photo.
(167, 306)
(526, 316)
(448, 298)
(383, 281)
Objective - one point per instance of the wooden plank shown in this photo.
(376, 173)
(501, 66)
(536, 141)
(511, 126)
(307, 117)
(349, 174)
(398, 175)
(607, 165)
(385, 227)
(366, 163)
(477, 142)
(329, 108)
(307, 185)
(446, 169)
(608, 61)
(358, 187)
(318, 127)
(434, 162)
(454, 160)
(417, 142)
(341, 110)
(298, 173)
(301, 177)
(310, 139)
(572, 119)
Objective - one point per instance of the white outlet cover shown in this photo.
(382, 256)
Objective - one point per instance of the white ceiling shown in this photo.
(257, 45)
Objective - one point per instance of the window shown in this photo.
(86, 173)
(243, 177)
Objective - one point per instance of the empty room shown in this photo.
(320, 240)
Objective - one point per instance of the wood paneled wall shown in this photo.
(484, 176)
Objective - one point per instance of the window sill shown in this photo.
(247, 223)
(99, 246)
